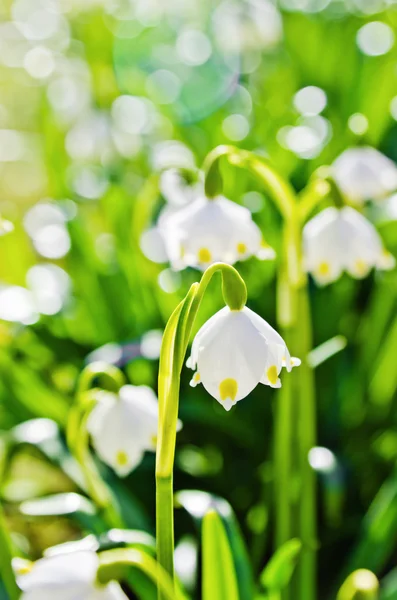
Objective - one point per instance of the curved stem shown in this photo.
(113, 565)
(78, 438)
(96, 487)
(173, 350)
(293, 315)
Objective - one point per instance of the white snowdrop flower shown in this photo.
(364, 174)
(65, 577)
(208, 231)
(123, 426)
(234, 351)
(338, 240)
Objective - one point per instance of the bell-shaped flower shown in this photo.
(364, 174)
(338, 240)
(123, 426)
(234, 351)
(208, 231)
(69, 576)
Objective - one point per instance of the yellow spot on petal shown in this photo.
(25, 568)
(323, 268)
(154, 440)
(272, 374)
(361, 266)
(197, 377)
(122, 458)
(204, 255)
(182, 251)
(228, 389)
(241, 248)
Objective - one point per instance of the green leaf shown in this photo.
(278, 571)
(219, 575)
(197, 504)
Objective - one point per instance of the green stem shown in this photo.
(293, 315)
(174, 345)
(78, 438)
(306, 440)
(6, 555)
(114, 565)
(96, 487)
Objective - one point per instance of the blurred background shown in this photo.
(97, 98)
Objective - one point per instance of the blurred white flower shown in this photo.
(124, 426)
(178, 188)
(234, 351)
(5, 226)
(338, 240)
(247, 25)
(65, 577)
(207, 231)
(365, 174)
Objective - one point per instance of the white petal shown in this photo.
(209, 231)
(66, 575)
(386, 261)
(123, 427)
(365, 174)
(364, 243)
(324, 246)
(232, 361)
(209, 328)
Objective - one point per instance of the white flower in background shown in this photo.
(179, 187)
(338, 240)
(247, 25)
(207, 231)
(69, 576)
(234, 351)
(364, 174)
(123, 426)
(5, 226)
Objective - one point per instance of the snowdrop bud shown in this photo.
(65, 577)
(338, 240)
(123, 426)
(234, 351)
(364, 174)
(208, 231)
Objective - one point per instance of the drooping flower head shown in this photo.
(338, 240)
(69, 576)
(234, 351)
(364, 174)
(208, 231)
(123, 426)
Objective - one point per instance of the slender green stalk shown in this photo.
(6, 571)
(78, 438)
(293, 316)
(174, 345)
